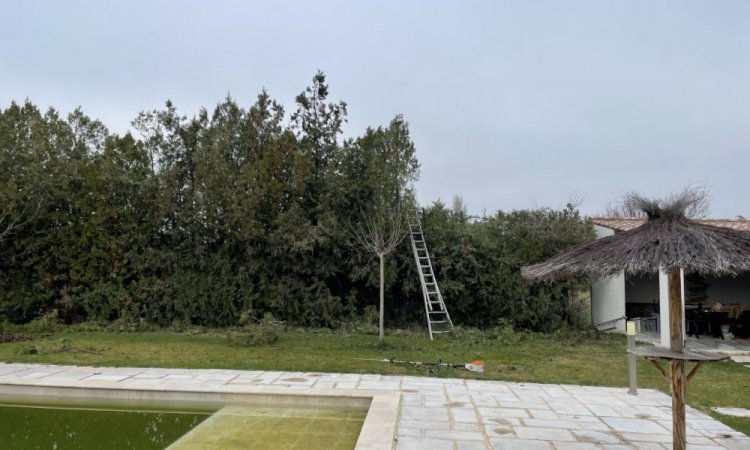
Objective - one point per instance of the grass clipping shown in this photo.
(262, 332)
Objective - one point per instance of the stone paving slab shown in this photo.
(736, 412)
(444, 413)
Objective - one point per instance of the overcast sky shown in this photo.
(511, 104)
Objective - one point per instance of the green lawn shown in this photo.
(569, 359)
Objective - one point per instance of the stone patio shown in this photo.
(444, 413)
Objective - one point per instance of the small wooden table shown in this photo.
(665, 353)
(654, 354)
(677, 380)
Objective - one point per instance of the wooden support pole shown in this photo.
(679, 384)
(695, 369)
(658, 366)
(677, 367)
(676, 339)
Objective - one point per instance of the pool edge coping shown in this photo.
(378, 429)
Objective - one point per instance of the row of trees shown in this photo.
(241, 212)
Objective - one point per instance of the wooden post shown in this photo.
(677, 367)
(674, 284)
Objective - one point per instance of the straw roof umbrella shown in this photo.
(668, 241)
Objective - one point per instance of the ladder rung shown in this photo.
(438, 321)
(446, 331)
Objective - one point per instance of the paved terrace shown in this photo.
(438, 414)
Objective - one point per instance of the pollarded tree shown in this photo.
(384, 161)
(381, 232)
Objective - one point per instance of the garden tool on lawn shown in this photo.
(476, 366)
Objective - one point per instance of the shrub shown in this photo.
(502, 334)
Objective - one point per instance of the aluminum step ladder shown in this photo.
(438, 319)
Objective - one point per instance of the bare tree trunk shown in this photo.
(382, 293)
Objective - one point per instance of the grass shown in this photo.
(528, 357)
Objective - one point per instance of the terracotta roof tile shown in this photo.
(628, 223)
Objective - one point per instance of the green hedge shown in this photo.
(242, 212)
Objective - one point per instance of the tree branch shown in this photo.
(12, 223)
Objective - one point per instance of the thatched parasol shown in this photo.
(661, 243)
(668, 241)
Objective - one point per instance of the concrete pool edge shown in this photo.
(378, 430)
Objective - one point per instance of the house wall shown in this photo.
(608, 296)
(608, 301)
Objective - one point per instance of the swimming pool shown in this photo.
(34, 426)
(66, 417)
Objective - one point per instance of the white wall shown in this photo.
(608, 296)
(608, 301)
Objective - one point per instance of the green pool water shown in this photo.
(61, 427)
(66, 427)
(260, 427)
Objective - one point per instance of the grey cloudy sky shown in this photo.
(511, 104)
